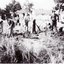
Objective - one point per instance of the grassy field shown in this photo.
(47, 48)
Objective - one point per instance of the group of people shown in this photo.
(8, 25)
(15, 20)
(12, 23)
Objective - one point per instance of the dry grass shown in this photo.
(20, 50)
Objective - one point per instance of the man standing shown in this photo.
(34, 26)
(27, 19)
(1, 27)
(54, 20)
(11, 26)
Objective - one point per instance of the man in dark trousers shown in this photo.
(1, 27)
(54, 20)
(34, 26)
(27, 19)
(12, 25)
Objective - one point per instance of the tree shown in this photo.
(28, 7)
(59, 1)
(8, 9)
(12, 7)
(3, 14)
(57, 7)
(16, 7)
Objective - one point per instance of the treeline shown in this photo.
(11, 7)
(59, 6)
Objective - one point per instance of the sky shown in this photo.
(38, 4)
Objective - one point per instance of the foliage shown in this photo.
(59, 1)
(12, 7)
(28, 7)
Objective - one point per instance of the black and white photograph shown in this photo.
(32, 31)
